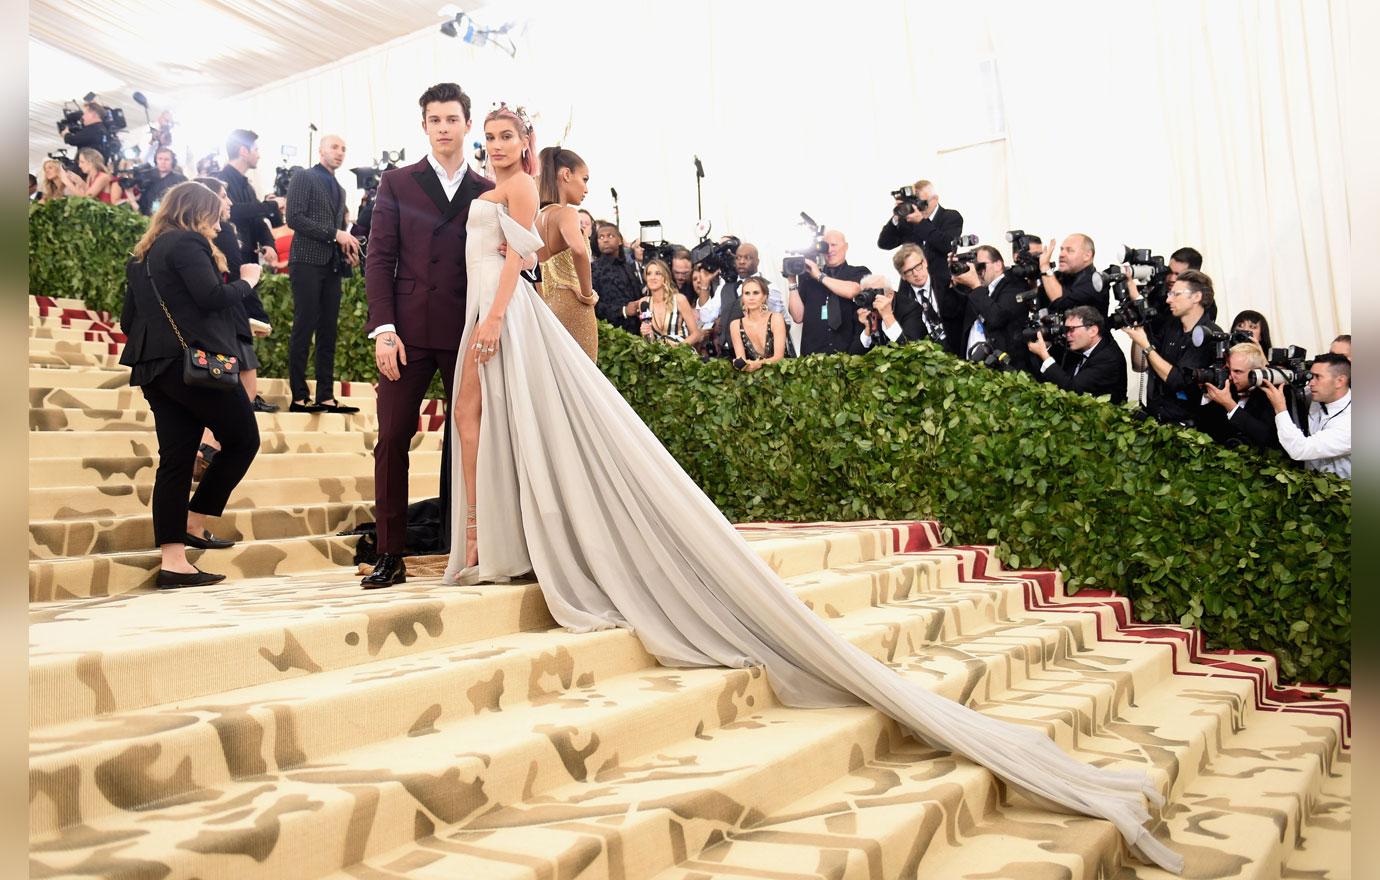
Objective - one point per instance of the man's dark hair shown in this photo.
(992, 254)
(1337, 365)
(240, 138)
(604, 224)
(1089, 316)
(170, 151)
(95, 107)
(680, 253)
(33, 181)
(1341, 337)
(1189, 257)
(1198, 283)
(444, 93)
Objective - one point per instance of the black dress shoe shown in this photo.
(336, 407)
(306, 407)
(172, 580)
(207, 541)
(389, 570)
(261, 405)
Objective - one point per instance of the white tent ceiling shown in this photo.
(184, 52)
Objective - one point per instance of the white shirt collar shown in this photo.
(441, 171)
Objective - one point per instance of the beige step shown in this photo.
(143, 443)
(95, 471)
(67, 419)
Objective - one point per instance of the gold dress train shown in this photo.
(560, 288)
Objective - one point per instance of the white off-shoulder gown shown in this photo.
(574, 487)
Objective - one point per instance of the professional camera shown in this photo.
(909, 201)
(142, 176)
(1150, 271)
(1047, 323)
(1221, 343)
(114, 117)
(817, 251)
(1129, 312)
(959, 262)
(989, 356)
(367, 176)
(67, 161)
(654, 247)
(720, 256)
(868, 296)
(1287, 366)
(1024, 264)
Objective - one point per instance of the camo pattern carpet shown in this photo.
(286, 724)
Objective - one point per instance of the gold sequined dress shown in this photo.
(560, 288)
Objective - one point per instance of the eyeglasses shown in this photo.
(916, 268)
(1074, 326)
(1173, 293)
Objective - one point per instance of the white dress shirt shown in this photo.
(1327, 447)
(449, 184)
(709, 312)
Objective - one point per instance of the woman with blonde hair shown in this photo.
(54, 184)
(95, 181)
(175, 299)
(667, 315)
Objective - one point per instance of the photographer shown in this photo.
(917, 303)
(253, 218)
(1092, 363)
(934, 229)
(93, 134)
(821, 300)
(995, 314)
(165, 163)
(615, 281)
(1073, 284)
(1181, 261)
(1327, 447)
(1342, 346)
(322, 253)
(1254, 323)
(1249, 416)
(681, 268)
(707, 301)
(1173, 355)
(879, 316)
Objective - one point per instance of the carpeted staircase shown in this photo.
(286, 724)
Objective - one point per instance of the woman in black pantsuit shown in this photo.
(177, 249)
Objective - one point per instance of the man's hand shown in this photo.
(967, 278)
(915, 215)
(347, 242)
(1038, 347)
(1276, 395)
(1137, 335)
(1131, 289)
(1220, 396)
(812, 269)
(1047, 255)
(864, 316)
(389, 354)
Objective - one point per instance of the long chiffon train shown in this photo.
(574, 487)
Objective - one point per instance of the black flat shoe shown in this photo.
(335, 407)
(173, 580)
(207, 541)
(306, 407)
(389, 570)
(261, 405)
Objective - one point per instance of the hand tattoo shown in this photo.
(389, 341)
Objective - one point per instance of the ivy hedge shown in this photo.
(1255, 552)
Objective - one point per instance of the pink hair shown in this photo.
(529, 156)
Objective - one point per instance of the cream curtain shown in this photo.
(1210, 123)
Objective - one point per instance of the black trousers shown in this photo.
(315, 311)
(180, 415)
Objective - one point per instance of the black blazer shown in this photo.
(203, 305)
(1252, 425)
(935, 235)
(315, 213)
(906, 309)
(1104, 372)
(1003, 319)
(252, 217)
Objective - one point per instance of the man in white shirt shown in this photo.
(1327, 446)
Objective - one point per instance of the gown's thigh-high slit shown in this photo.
(469, 411)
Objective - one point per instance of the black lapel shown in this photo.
(431, 185)
(466, 193)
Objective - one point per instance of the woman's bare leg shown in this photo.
(467, 413)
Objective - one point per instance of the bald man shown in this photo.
(821, 301)
(322, 253)
(1073, 284)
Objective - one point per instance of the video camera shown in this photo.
(67, 161)
(817, 251)
(282, 176)
(112, 121)
(654, 247)
(1024, 263)
(367, 176)
(719, 256)
(908, 201)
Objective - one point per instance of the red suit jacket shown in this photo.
(414, 273)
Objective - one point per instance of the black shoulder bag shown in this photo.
(200, 368)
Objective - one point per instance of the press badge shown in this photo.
(824, 312)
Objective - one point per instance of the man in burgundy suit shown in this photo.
(415, 283)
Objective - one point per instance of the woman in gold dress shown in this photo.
(566, 283)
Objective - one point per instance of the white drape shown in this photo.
(1210, 123)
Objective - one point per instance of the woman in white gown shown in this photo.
(565, 480)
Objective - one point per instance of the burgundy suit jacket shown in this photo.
(414, 274)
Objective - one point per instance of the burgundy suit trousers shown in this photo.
(399, 405)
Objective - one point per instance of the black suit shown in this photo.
(149, 198)
(1003, 318)
(251, 216)
(204, 307)
(936, 236)
(1099, 372)
(1080, 290)
(315, 212)
(1253, 423)
(908, 314)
